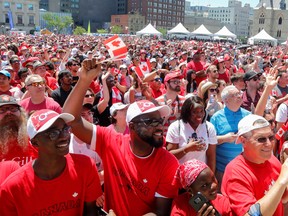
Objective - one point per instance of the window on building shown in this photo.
(280, 21)
(6, 4)
(262, 19)
(6, 18)
(19, 19)
(19, 6)
(30, 7)
(31, 20)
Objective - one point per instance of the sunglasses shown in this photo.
(213, 90)
(215, 71)
(37, 84)
(158, 80)
(55, 133)
(264, 139)
(175, 82)
(76, 65)
(255, 78)
(150, 122)
(89, 95)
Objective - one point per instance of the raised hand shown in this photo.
(90, 69)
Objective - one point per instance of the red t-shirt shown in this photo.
(196, 66)
(24, 193)
(48, 103)
(225, 76)
(6, 168)
(131, 182)
(245, 182)
(16, 153)
(181, 206)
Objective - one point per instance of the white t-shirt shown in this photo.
(281, 114)
(76, 146)
(180, 132)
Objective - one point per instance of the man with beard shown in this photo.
(14, 143)
(65, 87)
(55, 182)
(251, 95)
(172, 98)
(138, 172)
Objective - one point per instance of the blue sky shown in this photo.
(218, 3)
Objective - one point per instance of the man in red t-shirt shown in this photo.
(196, 65)
(55, 182)
(138, 171)
(14, 143)
(254, 181)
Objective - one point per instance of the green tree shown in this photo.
(102, 31)
(79, 30)
(57, 22)
(116, 29)
(163, 31)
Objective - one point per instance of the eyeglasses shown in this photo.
(55, 133)
(13, 109)
(213, 90)
(76, 64)
(37, 84)
(158, 80)
(175, 82)
(264, 139)
(17, 61)
(89, 95)
(150, 122)
(215, 71)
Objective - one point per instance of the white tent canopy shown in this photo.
(262, 36)
(179, 29)
(201, 30)
(224, 32)
(149, 30)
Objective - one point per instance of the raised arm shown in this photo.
(271, 82)
(73, 105)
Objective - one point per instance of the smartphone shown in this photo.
(198, 200)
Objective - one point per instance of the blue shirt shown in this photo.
(226, 121)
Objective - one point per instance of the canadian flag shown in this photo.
(116, 47)
(281, 131)
(143, 69)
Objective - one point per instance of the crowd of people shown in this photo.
(202, 133)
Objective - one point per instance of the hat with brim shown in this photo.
(5, 73)
(41, 120)
(143, 107)
(7, 100)
(250, 75)
(207, 86)
(248, 123)
(117, 106)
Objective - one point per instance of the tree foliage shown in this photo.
(79, 30)
(57, 22)
(102, 31)
(116, 29)
(163, 31)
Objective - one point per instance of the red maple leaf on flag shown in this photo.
(144, 68)
(116, 43)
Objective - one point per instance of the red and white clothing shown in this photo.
(245, 182)
(181, 206)
(132, 182)
(48, 103)
(24, 193)
(175, 106)
(17, 154)
(225, 76)
(196, 66)
(180, 133)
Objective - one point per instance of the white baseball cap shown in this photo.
(246, 124)
(117, 106)
(144, 106)
(41, 120)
